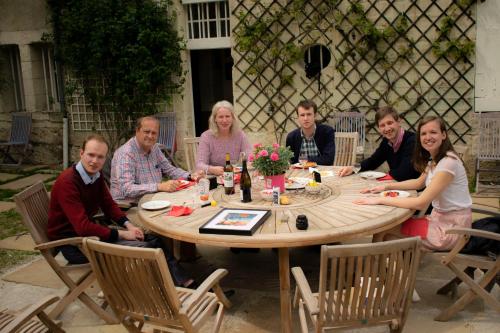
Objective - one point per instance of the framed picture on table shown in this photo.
(231, 221)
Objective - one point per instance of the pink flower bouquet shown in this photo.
(270, 160)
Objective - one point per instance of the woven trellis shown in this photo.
(417, 84)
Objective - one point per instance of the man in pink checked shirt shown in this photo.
(139, 166)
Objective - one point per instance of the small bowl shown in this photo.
(267, 194)
(313, 189)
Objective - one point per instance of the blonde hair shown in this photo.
(212, 125)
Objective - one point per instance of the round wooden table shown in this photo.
(332, 217)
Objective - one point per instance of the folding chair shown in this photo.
(360, 285)
(139, 288)
(488, 148)
(350, 122)
(345, 148)
(33, 205)
(26, 321)
(490, 266)
(166, 137)
(191, 150)
(19, 137)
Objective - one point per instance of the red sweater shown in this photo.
(73, 204)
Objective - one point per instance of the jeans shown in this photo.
(74, 256)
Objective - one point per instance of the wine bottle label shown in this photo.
(228, 179)
(241, 194)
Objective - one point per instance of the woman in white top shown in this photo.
(446, 187)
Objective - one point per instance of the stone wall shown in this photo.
(23, 23)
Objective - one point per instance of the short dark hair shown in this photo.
(385, 111)
(96, 137)
(307, 104)
(138, 122)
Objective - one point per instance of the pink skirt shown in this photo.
(432, 228)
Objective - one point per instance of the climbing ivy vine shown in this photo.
(125, 53)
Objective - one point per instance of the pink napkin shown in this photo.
(386, 177)
(180, 211)
(183, 186)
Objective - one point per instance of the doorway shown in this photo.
(211, 72)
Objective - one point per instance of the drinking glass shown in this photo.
(356, 167)
(302, 158)
(203, 188)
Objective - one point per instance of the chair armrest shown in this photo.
(474, 232)
(305, 290)
(66, 241)
(21, 318)
(487, 210)
(203, 288)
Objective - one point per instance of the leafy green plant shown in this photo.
(124, 53)
(446, 46)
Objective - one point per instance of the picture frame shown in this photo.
(234, 221)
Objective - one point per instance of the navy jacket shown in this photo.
(400, 163)
(325, 141)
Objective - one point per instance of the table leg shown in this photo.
(285, 297)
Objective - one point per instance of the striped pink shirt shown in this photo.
(212, 150)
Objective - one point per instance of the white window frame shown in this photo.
(14, 62)
(204, 41)
(49, 77)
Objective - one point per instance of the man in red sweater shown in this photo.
(78, 194)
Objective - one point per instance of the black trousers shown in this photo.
(74, 256)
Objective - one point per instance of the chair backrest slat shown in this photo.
(345, 148)
(191, 152)
(489, 136)
(166, 136)
(143, 273)
(21, 128)
(369, 283)
(349, 122)
(33, 205)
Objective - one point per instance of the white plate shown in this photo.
(298, 183)
(155, 204)
(371, 174)
(401, 194)
(300, 166)
(327, 173)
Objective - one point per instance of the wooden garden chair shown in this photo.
(490, 267)
(26, 320)
(166, 136)
(33, 205)
(360, 285)
(139, 288)
(191, 151)
(350, 122)
(345, 148)
(488, 149)
(19, 137)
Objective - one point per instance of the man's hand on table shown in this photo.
(216, 170)
(197, 175)
(345, 171)
(168, 186)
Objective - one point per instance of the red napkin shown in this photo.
(415, 227)
(386, 177)
(183, 186)
(180, 211)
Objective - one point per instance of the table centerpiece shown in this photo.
(271, 162)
